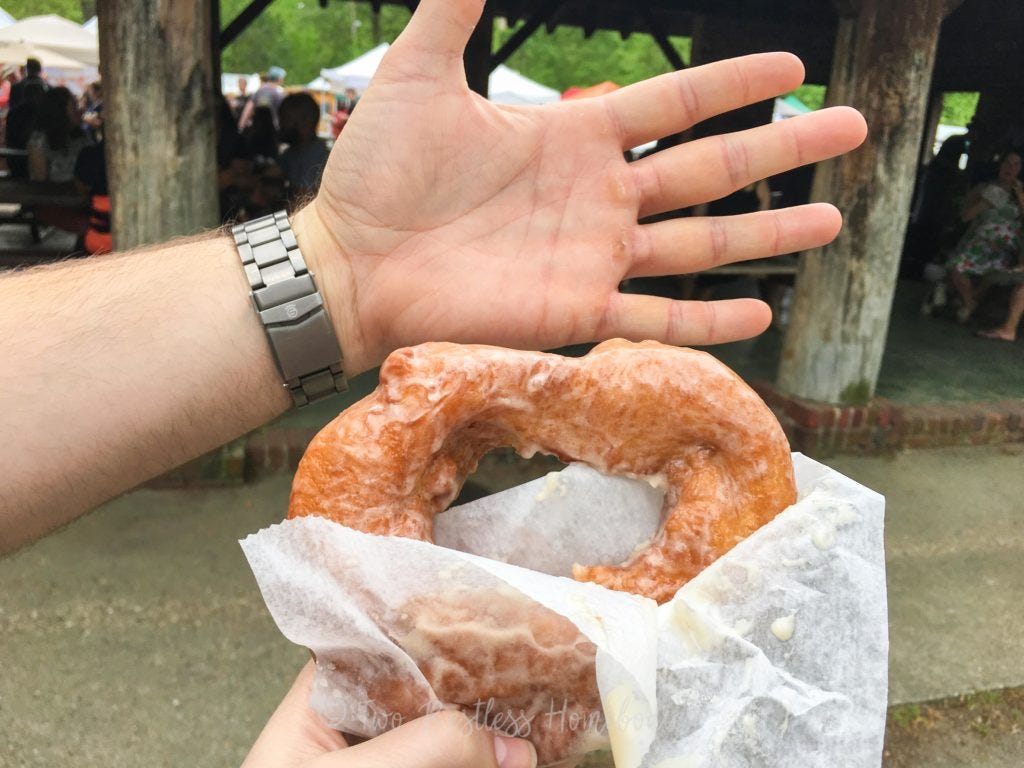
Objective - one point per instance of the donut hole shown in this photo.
(502, 469)
(544, 516)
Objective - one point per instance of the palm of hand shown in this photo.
(455, 219)
(517, 200)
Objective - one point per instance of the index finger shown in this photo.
(670, 103)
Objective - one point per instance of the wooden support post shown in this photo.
(836, 336)
(156, 60)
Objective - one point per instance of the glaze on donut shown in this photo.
(674, 416)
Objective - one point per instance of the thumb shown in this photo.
(437, 35)
(445, 739)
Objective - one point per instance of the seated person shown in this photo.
(235, 177)
(91, 178)
(306, 156)
(993, 238)
(1007, 331)
(260, 137)
(53, 146)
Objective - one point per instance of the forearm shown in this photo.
(116, 369)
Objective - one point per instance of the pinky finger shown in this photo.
(684, 323)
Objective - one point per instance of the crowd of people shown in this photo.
(269, 153)
(57, 137)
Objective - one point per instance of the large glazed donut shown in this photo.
(675, 416)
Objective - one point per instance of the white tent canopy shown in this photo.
(505, 85)
(17, 51)
(5, 18)
(320, 84)
(56, 34)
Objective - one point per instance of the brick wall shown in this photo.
(820, 429)
(816, 429)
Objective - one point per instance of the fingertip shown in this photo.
(829, 218)
(761, 317)
(510, 752)
(786, 68)
(855, 122)
(794, 66)
(441, 28)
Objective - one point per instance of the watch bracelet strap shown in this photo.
(288, 303)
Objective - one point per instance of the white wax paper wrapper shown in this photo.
(775, 655)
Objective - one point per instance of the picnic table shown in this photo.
(25, 196)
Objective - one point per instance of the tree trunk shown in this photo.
(836, 336)
(156, 60)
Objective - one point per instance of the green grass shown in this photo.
(905, 714)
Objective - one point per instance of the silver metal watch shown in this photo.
(291, 308)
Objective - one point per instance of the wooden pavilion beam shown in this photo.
(657, 31)
(477, 56)
(241, 22)
(540, 15)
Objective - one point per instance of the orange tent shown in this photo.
(600, 89)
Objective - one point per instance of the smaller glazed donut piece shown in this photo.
(511, 665)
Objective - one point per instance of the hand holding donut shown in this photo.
(443, 216)
(296, 738)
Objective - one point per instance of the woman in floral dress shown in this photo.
(993, 241)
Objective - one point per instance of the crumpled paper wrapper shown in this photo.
(775, 655)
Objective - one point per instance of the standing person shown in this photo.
(56, 137)
(270, 94)
(993, 239)
(92, 111)
(513, 226)
(18, 127)
(239, 102)
(338, 122)
(33, 76)
(349, 101)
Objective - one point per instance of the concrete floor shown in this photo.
(137, 636)
(926, 359)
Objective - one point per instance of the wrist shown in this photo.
(329, 264)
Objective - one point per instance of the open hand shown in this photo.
(442, 216)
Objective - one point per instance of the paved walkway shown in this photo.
(137, 636)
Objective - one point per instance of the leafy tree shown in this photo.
(811, 95)
(69, 9)
(958, 107)
(302, 37)
(564, 58)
